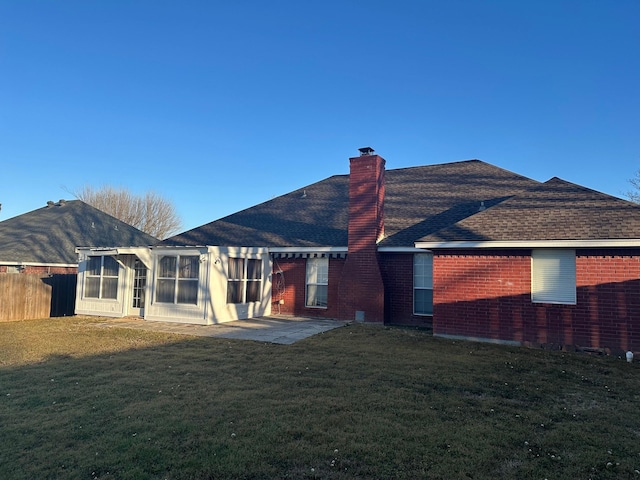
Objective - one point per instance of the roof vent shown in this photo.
(482, 207)
(62, 201)
(304, 194)
(364, 151)
(50, 203)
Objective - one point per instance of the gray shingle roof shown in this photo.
(315, 215)
(430, 203)
(555, 210)
(423, 200)
(51, 234)
(419, 201)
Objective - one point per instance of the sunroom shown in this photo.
(200, 285)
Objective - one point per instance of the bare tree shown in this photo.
(150, 212)
(634, 194)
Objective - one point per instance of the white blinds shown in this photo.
(553, 276)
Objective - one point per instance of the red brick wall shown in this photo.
(397, 275)
(294, 274)
(51, 270)
(44, 270)
(361, 287)
(487, 295)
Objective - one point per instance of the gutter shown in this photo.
(611, 243)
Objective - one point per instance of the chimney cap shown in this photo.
(366, 151)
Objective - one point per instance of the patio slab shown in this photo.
(282, 330)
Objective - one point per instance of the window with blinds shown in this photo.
(317, 282)
(423, 284)
(553, 276)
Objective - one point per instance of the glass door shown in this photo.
(139, 287)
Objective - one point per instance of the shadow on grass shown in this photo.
(359, 401)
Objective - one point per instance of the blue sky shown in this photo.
(221, 105)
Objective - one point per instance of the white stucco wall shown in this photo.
(96, 306)
(211, 307)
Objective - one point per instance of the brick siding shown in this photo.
(43, 270)
(487, 295)
(397, 275)
(361, 288)
(294, 274)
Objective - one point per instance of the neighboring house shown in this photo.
(470, 249)
(44, 241)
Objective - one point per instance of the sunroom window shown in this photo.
(244, 280)
(177, 279)
(101, 277)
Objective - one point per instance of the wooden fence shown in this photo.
(26, 296)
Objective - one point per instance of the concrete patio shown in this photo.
(284, 330)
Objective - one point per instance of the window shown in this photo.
(139, 283)
(317, 282)
(553, 276)
(423, 284)
(244, 281)
(177, 279)
(254, 279)
(101, 278)
(234, 284)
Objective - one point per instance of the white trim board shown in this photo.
(612, 243)
(307, 249)
(37, 264)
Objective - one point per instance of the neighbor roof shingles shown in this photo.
(50, 235)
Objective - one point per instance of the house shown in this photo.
(467, 248)
(43, 242)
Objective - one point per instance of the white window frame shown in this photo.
(139, 283)
(422, 279)
(257, 280)
(317, 277)
(177, 279)
(101, 277)
(244, 279)
(553, 276)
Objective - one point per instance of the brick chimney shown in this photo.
(361, 287)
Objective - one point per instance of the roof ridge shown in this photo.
(587, 189)
(472, 160)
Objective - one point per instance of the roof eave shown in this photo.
(603, 243)
(39, 264)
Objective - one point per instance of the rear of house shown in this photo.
(467, 248)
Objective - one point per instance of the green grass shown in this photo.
(82, 402)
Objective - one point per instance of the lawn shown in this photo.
(78, 401)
